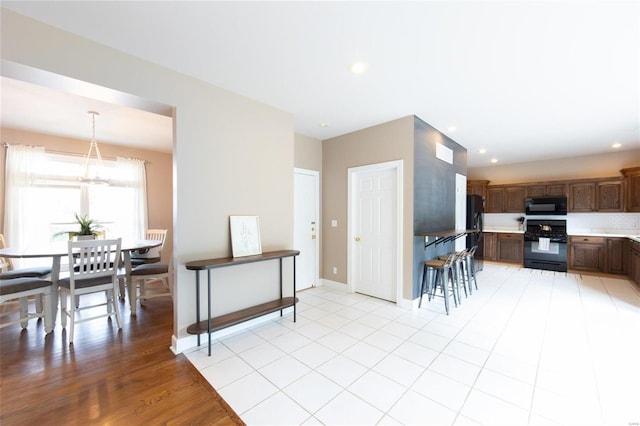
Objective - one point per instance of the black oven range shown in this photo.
(545, 245)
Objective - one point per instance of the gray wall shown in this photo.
(434, 193)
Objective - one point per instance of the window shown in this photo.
(44, 194)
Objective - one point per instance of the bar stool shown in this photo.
(442, 273)
(459, 273)
(470, 267)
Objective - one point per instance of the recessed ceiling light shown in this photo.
(482, 151)
(357, 68)
(324, 124)
(616, 145)
(451, 129)
(494, 160)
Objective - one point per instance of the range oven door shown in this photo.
(551, 258)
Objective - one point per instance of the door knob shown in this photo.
(357, 239)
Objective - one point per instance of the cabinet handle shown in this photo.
(586, 239)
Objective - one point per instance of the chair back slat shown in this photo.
(93, 258)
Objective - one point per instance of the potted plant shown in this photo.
(88, 229)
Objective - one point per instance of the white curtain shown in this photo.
(21, 200)
(133, 174)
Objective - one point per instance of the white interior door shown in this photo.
(306, 228)
(374, 232)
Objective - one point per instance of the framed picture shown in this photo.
(245, 235)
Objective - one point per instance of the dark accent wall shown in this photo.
(434, 193)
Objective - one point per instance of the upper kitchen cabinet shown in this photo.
(548, 190)
(610, 196)
(582, 197)
(514, 199)
(495, 199)
(632, 184)
(505, 199)
(477, 187)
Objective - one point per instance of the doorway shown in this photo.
(306, 226)
(375, 230)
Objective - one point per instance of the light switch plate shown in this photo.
(334, 223)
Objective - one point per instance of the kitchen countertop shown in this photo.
(509, 230)
(611, 234)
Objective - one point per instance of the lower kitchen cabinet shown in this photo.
(598, 254)
(490, 244)
(587, 253)
(616, 256)
(633, 262)
(510, 247)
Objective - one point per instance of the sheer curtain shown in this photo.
(21, 199)
(133, 175)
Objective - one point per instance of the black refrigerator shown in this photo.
(475, 220)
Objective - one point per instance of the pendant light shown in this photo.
(86, 178)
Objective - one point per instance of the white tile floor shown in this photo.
(530, 347)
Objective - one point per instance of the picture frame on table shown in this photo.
(245, 235)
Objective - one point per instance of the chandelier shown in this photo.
(91, 175)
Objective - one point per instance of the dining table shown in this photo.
(56, 250)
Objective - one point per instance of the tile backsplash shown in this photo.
(606, 223)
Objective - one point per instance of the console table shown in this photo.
(212, 324)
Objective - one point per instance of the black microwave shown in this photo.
(550, 206)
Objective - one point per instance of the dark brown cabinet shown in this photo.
(551, 190)
(614, 194)
(587, 253)
(495, 200)
(505, 199)
(477, 187)
(510, 247)
(632, 191)
(490, 244)
(616, 256)
(633, 262)
(610, 196)
(582, 197)
(514, 199)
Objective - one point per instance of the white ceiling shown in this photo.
(524, 80)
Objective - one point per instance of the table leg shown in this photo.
(53, 297)
(209, 308)
(131, 286)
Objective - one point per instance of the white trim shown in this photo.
(334, 285)
(398, 166)
(316, 175)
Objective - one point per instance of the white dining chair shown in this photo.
(7, 271)
(21, 289)
(152, 280)
(152, 255)
(95, 270)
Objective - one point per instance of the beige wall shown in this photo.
(308, 155)
(158, 170)
(232, 156)
(588, 166)
(308, 152)
(378, 144)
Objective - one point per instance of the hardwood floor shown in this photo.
(106, 377)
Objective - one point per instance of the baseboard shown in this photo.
(408, 303)
(335, 285)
